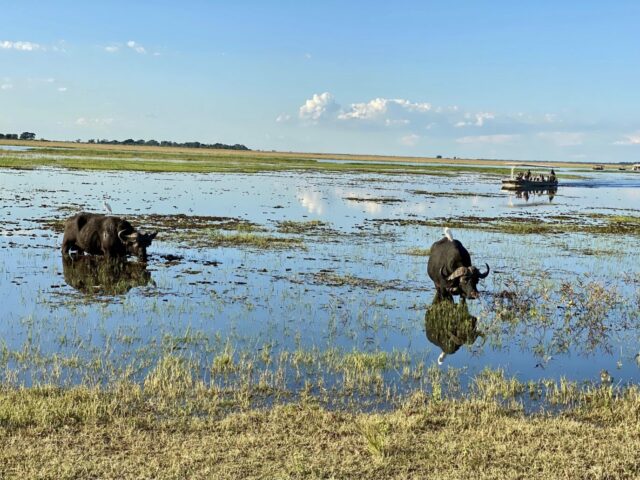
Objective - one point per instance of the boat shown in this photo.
(636, 167)
(597, 167)
(518, 183)
(521, 184)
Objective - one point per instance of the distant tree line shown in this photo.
(130, 141)
(165, 143)
(15, 136)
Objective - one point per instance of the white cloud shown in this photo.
(283, 118)
(6, 86)
(410, 140)
(318, 107)
(22, 46)
(112, 48)
(563, 139)
(475, 119)
(307, 56)
(487, 139)
(62, 89)
(136, 47)
(378, 107)
(631, 139)
(82, 121)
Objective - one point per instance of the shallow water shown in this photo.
(288, 299)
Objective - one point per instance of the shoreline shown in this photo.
(267, 155)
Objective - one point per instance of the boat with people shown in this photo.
(529, 181)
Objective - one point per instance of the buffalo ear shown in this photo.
(153, 235)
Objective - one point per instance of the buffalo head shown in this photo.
(137, 243)
(463, 281)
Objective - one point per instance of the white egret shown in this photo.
(107, 207)
(448, 234)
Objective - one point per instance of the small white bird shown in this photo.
(107, 207)
(448, 234)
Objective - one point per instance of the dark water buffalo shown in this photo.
(450, 269)
(98, 234)
(449, 325)
(104, 276)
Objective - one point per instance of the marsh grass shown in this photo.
(418, 252)
(303, 227)
(598, 224)
(171, 428)
(158, 159)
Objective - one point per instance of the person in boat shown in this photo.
(552, 176)
(519, 176)
(527, 176)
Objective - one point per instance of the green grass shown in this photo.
(559, 224)
(302, 227)
(174, 427)
(86, 157)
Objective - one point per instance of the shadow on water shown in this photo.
(449, 326)
(101, 276)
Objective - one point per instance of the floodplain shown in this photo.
(295, 289)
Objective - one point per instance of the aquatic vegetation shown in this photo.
(303, 227)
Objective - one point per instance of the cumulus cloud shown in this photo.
(318, 107)
(111, 48)
(631, 139)
(380, 107)
(21, 46)
(136, 47)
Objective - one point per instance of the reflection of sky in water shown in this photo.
(284, 301)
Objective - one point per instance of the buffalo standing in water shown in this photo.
(98, 234)
(451, 270)
(104, 276)
(449, 326)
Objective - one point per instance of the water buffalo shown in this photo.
(98, 234)
(449, 325)
(451, 271)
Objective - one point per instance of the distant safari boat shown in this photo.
(521, 184)
(518, 183)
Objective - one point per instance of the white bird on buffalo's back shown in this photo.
(448, 234)
(107, 207)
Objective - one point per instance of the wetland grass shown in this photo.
(586, 223)
(174, 427)
(149, 159)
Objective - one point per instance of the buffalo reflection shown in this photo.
(449, 325)
(99, 275)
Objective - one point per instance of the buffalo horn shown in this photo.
(483, 275)
(458, 272)
(127, 238)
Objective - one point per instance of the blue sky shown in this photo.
(516, 80)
